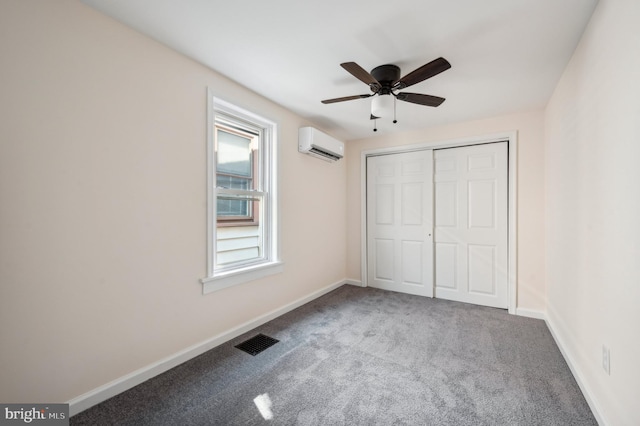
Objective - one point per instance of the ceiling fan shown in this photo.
(385, 80)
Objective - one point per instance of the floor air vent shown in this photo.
(257, 344)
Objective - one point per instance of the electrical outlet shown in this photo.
(606, 359)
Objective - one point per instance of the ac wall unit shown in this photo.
(313, 142)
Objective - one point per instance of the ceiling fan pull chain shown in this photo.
(394, 110)
(375, 124)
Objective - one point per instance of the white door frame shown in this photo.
(512, 139)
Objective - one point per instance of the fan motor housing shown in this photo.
(386, 76)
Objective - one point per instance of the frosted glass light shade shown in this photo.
(382, 106)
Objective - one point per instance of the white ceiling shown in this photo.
(506, 55)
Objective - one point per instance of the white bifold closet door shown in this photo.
(471, 224)
(399, 225)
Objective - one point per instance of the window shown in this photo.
(242, 204)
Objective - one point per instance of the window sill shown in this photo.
(240, 276)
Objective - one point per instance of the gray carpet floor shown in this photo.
(362, 356)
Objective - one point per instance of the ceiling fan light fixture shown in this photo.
(382, 106)
(385, 84)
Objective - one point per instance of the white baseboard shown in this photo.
(111, 389)
(575, 370)
(531, 313)
(352, 281)
(569, 359)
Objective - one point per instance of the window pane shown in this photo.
(239, 244)
(233, 182)
(233, 208)
(234, 154)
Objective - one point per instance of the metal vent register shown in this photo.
(257, 344)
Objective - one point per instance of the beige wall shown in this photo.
(593, 210)
(103, 204)
(531, 269)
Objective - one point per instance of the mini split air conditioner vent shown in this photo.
(325, 154)
(313, 142)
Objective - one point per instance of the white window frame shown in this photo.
(270, 263)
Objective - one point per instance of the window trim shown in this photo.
(271, 263)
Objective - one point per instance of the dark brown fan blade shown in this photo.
(346, 98)
(358, 72)
(418, 98)
(426, 71)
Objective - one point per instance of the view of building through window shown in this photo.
(235, 152)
